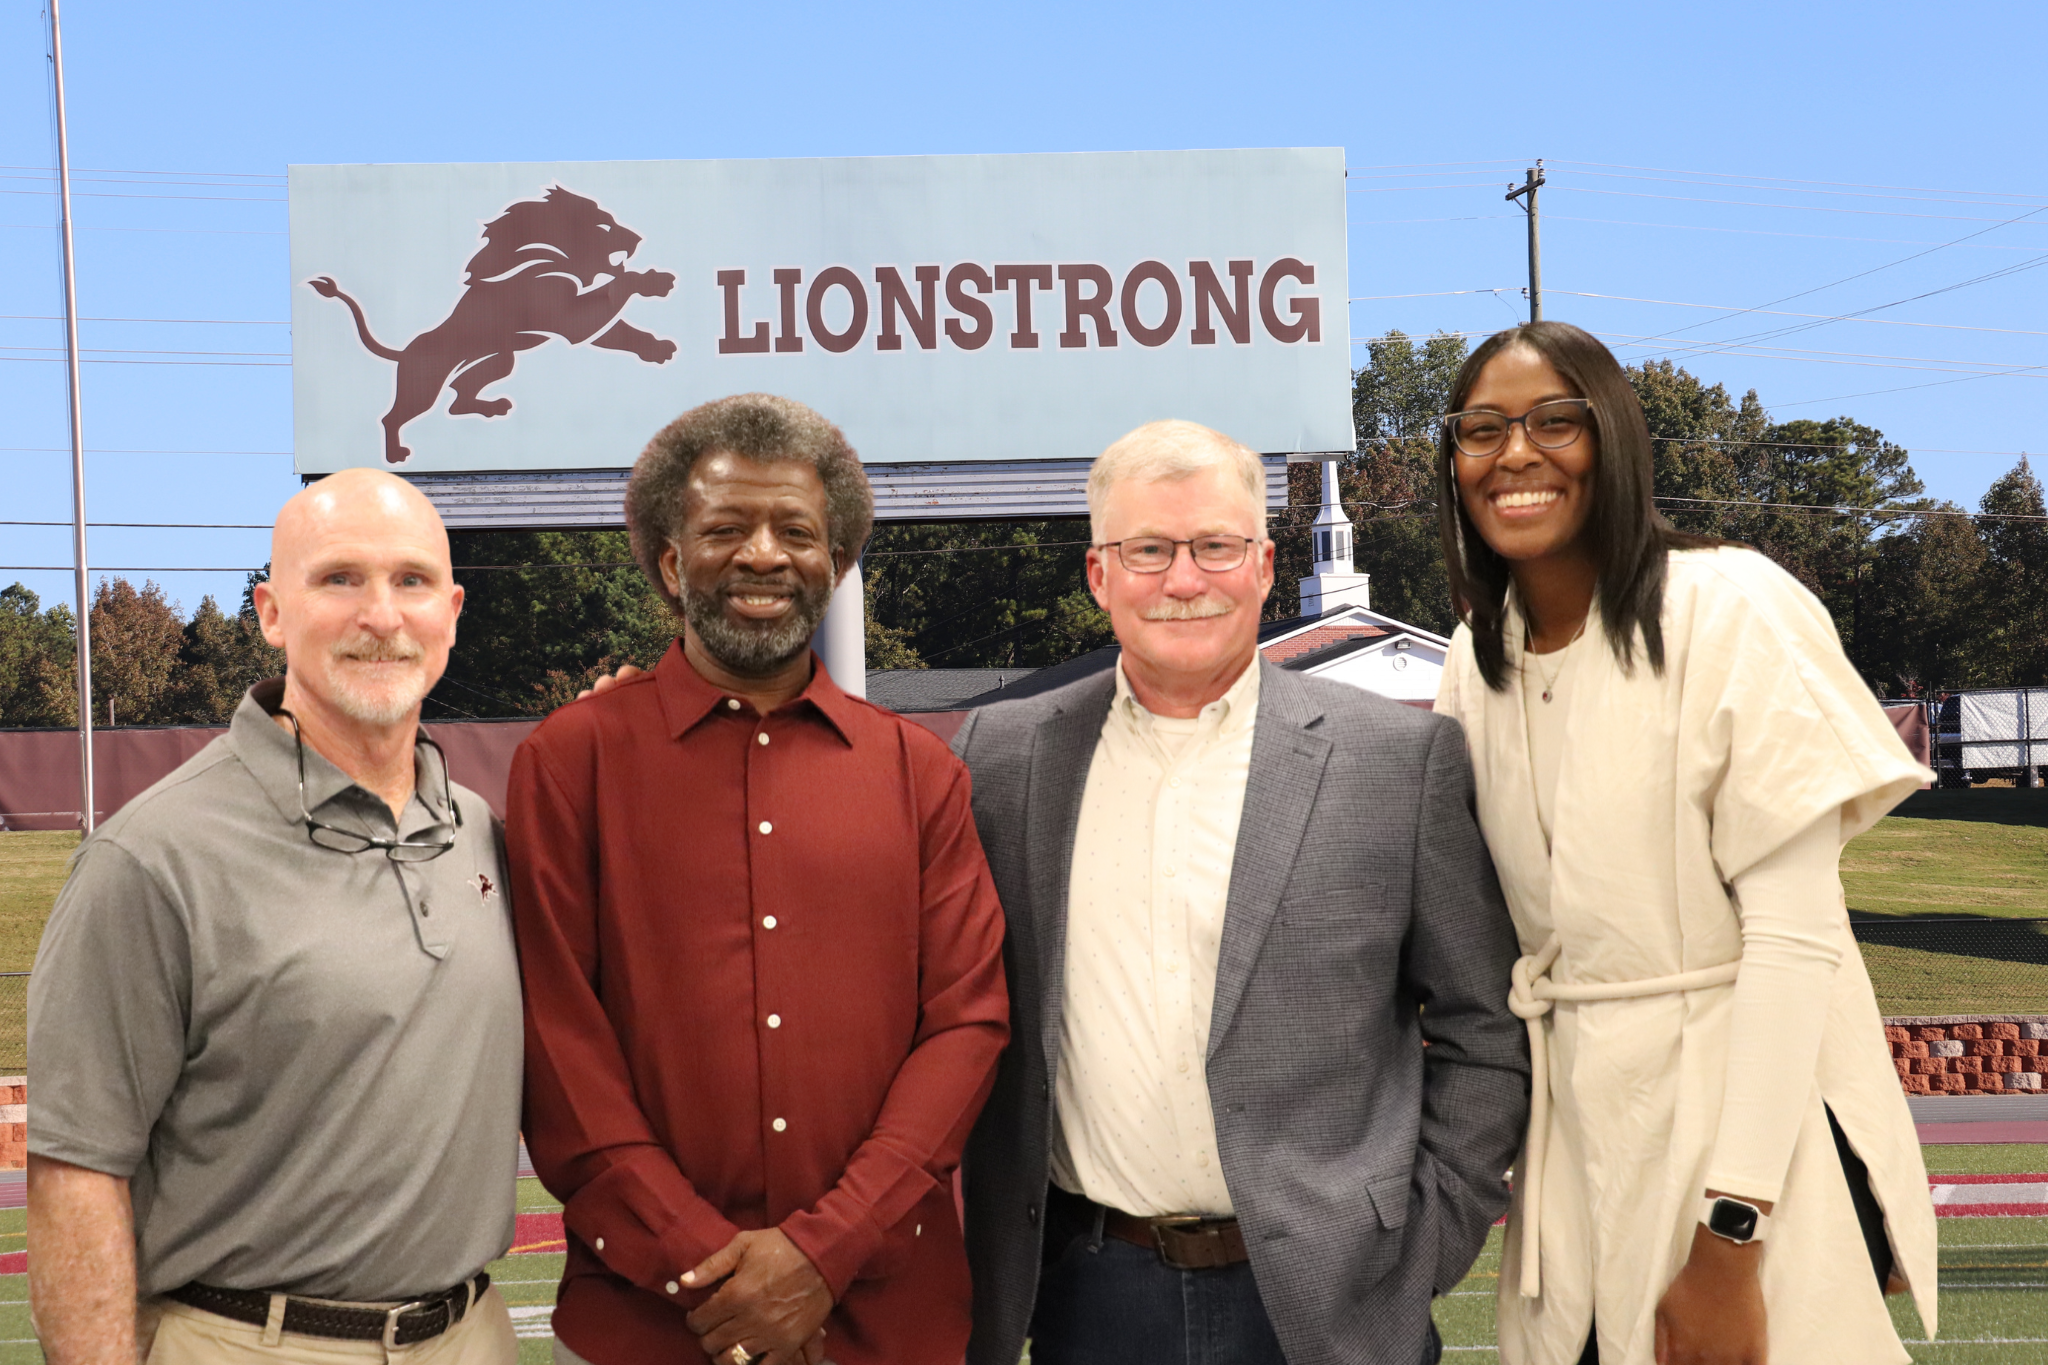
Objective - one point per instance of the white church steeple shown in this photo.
(1332, 582)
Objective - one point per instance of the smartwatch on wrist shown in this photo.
(1735, 1220)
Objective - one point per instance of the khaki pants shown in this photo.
(172, 1333)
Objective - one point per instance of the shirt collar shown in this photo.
(1230, 713)
(271, 754)
(687, 698)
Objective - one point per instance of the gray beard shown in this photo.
(749, 648)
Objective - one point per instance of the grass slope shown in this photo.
(1980, 855)
(32, 868)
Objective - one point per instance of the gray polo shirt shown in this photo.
(306, 1061)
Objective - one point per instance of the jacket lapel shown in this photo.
(1288, 758)
(1061, 752)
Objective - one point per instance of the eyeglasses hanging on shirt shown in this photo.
(349, 841)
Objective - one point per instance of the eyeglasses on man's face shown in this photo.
(340, 840)
(1481, 434)
(1155, 554)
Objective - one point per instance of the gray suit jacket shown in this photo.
(1363, 918)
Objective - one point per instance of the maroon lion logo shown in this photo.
(536, 277)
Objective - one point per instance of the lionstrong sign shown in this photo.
(553, 316)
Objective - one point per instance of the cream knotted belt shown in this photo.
(1530, 997)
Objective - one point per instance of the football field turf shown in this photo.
(1994, 1283)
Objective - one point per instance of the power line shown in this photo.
(112, 180)
(188, 198)
(1933, 197)
(218, 232)
(113, 350)
(1744, 175)
(1744, 232)
(103, 170)
(221, 322)
(1887, 266)
(1733, 309)
(245, 364)
(1754, 204)
(121, 450)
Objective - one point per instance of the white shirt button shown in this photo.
(1183, 1067)
(1202, 1160)
(1169, 872)
(779, 1124)
(774, 1021)
(732, 703)
(1172, 966)
(917, 1231)
(767, 921)
(761, 738)
(600, 1244)
(671, 1286)
(1175, 782)
(766, 828)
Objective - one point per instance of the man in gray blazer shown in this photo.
(1263, 1084)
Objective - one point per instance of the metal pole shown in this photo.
(77, 435)
(1529, 187)
(841, 640)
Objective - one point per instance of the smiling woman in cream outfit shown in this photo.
(1670, 750)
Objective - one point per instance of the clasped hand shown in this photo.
(773, 1302)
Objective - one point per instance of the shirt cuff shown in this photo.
(639, 1234)
(837, 1245)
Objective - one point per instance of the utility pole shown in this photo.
(1529, 187)
(77, 434)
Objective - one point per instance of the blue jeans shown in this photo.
(1106, 1302)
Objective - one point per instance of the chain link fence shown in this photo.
(1954, 964)
(13, 1023)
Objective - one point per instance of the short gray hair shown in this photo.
(1173, 450)
(754, 426)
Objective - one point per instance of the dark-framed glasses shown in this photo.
(340, 840)
(1481, 434)
(1155, 554)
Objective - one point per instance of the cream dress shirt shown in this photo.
(1150, 878)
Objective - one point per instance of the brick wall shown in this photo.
(13, 1122)
(1985, 1057)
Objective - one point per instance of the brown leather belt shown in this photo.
(1183, 1241)
(401, 1324)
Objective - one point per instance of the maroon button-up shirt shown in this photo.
(764, 988)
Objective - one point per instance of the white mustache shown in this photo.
(1188, 608)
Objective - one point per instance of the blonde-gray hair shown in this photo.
(1173, 450)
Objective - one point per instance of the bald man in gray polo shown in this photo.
(275, 1019)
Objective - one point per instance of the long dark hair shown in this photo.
(1628, 538)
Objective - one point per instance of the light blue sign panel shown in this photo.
(939, 308)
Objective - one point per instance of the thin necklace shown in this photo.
(1550, 678)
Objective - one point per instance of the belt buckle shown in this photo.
(391, 1317)
(1178, 1222)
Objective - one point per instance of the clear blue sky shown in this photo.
(1731, 155)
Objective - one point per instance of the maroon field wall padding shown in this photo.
(39, 768)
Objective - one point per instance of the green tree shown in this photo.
(1923, 601)
(1699, 442)
(38, 651)
(2014, 639)
(219, 659)
(980, 595)
(531, 636)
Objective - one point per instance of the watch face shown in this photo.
(1733, 1219)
